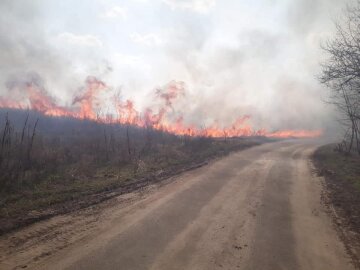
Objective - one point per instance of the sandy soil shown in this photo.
(256, 209)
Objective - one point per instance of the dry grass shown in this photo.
(345, 167)
(74, 163)
(342, 178)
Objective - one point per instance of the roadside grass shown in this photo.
(343, 167)
(342, 182)
(69, 188)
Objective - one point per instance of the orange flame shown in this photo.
(86, 104)
(295, 134)
(87, 100)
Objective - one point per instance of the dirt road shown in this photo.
(256, 209)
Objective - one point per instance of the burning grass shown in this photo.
(165, 114)
(53, 165)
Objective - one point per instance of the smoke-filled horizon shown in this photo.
(233, 59)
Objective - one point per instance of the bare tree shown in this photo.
(341, 74)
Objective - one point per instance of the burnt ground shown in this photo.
(342, 194)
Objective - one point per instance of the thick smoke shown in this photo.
(27, 48)
(266, 68)
(23, 44)
(269, 73)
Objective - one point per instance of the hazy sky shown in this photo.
(235, 57)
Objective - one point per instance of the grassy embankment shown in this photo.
(58, 165)
(342, 179)
(343, 168)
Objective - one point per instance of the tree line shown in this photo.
(341, 74)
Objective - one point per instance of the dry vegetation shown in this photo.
(340, 163)
(341, 74)
(53, 165)
(342, 181)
